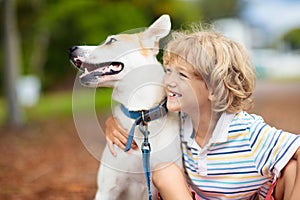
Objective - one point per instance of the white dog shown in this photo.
(127, 62)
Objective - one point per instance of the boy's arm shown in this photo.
(296, 190)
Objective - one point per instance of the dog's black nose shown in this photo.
(72, 49)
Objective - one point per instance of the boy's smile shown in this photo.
(173, 95)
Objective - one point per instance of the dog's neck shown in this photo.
(142, 88)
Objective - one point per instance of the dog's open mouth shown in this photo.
(101, 69)
(91, 73)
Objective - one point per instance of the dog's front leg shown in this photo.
(109, 188)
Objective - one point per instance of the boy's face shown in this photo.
(186, 91)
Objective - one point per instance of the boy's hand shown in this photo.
(116, 135)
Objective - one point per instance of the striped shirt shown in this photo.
(240, 161)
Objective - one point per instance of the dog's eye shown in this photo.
(110, 40)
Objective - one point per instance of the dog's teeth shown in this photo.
(86, 71)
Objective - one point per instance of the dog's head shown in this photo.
(107, 63)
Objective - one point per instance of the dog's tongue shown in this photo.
(107, 70)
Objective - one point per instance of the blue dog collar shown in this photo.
(143, 116)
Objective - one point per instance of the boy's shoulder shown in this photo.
(244, 118)
(244, 125)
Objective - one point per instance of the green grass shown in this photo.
(59, 104)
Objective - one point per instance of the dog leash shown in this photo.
(146, 150)
(142, 118)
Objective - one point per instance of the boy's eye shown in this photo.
(167, 70)
(183, 75)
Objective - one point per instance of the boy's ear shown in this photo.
(159, 29)
(211, 96)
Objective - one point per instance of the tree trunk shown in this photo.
(11, 63)
(41, 39)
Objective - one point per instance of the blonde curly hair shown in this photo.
(223, 63)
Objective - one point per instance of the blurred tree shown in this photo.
(292, 39)
(46, 32)
(215, 9)
(11, 63)
(182, 12)
(41, 39)
(57, 25)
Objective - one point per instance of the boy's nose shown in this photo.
(169, 81)
(171, 84)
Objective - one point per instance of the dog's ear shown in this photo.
(159, 29)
